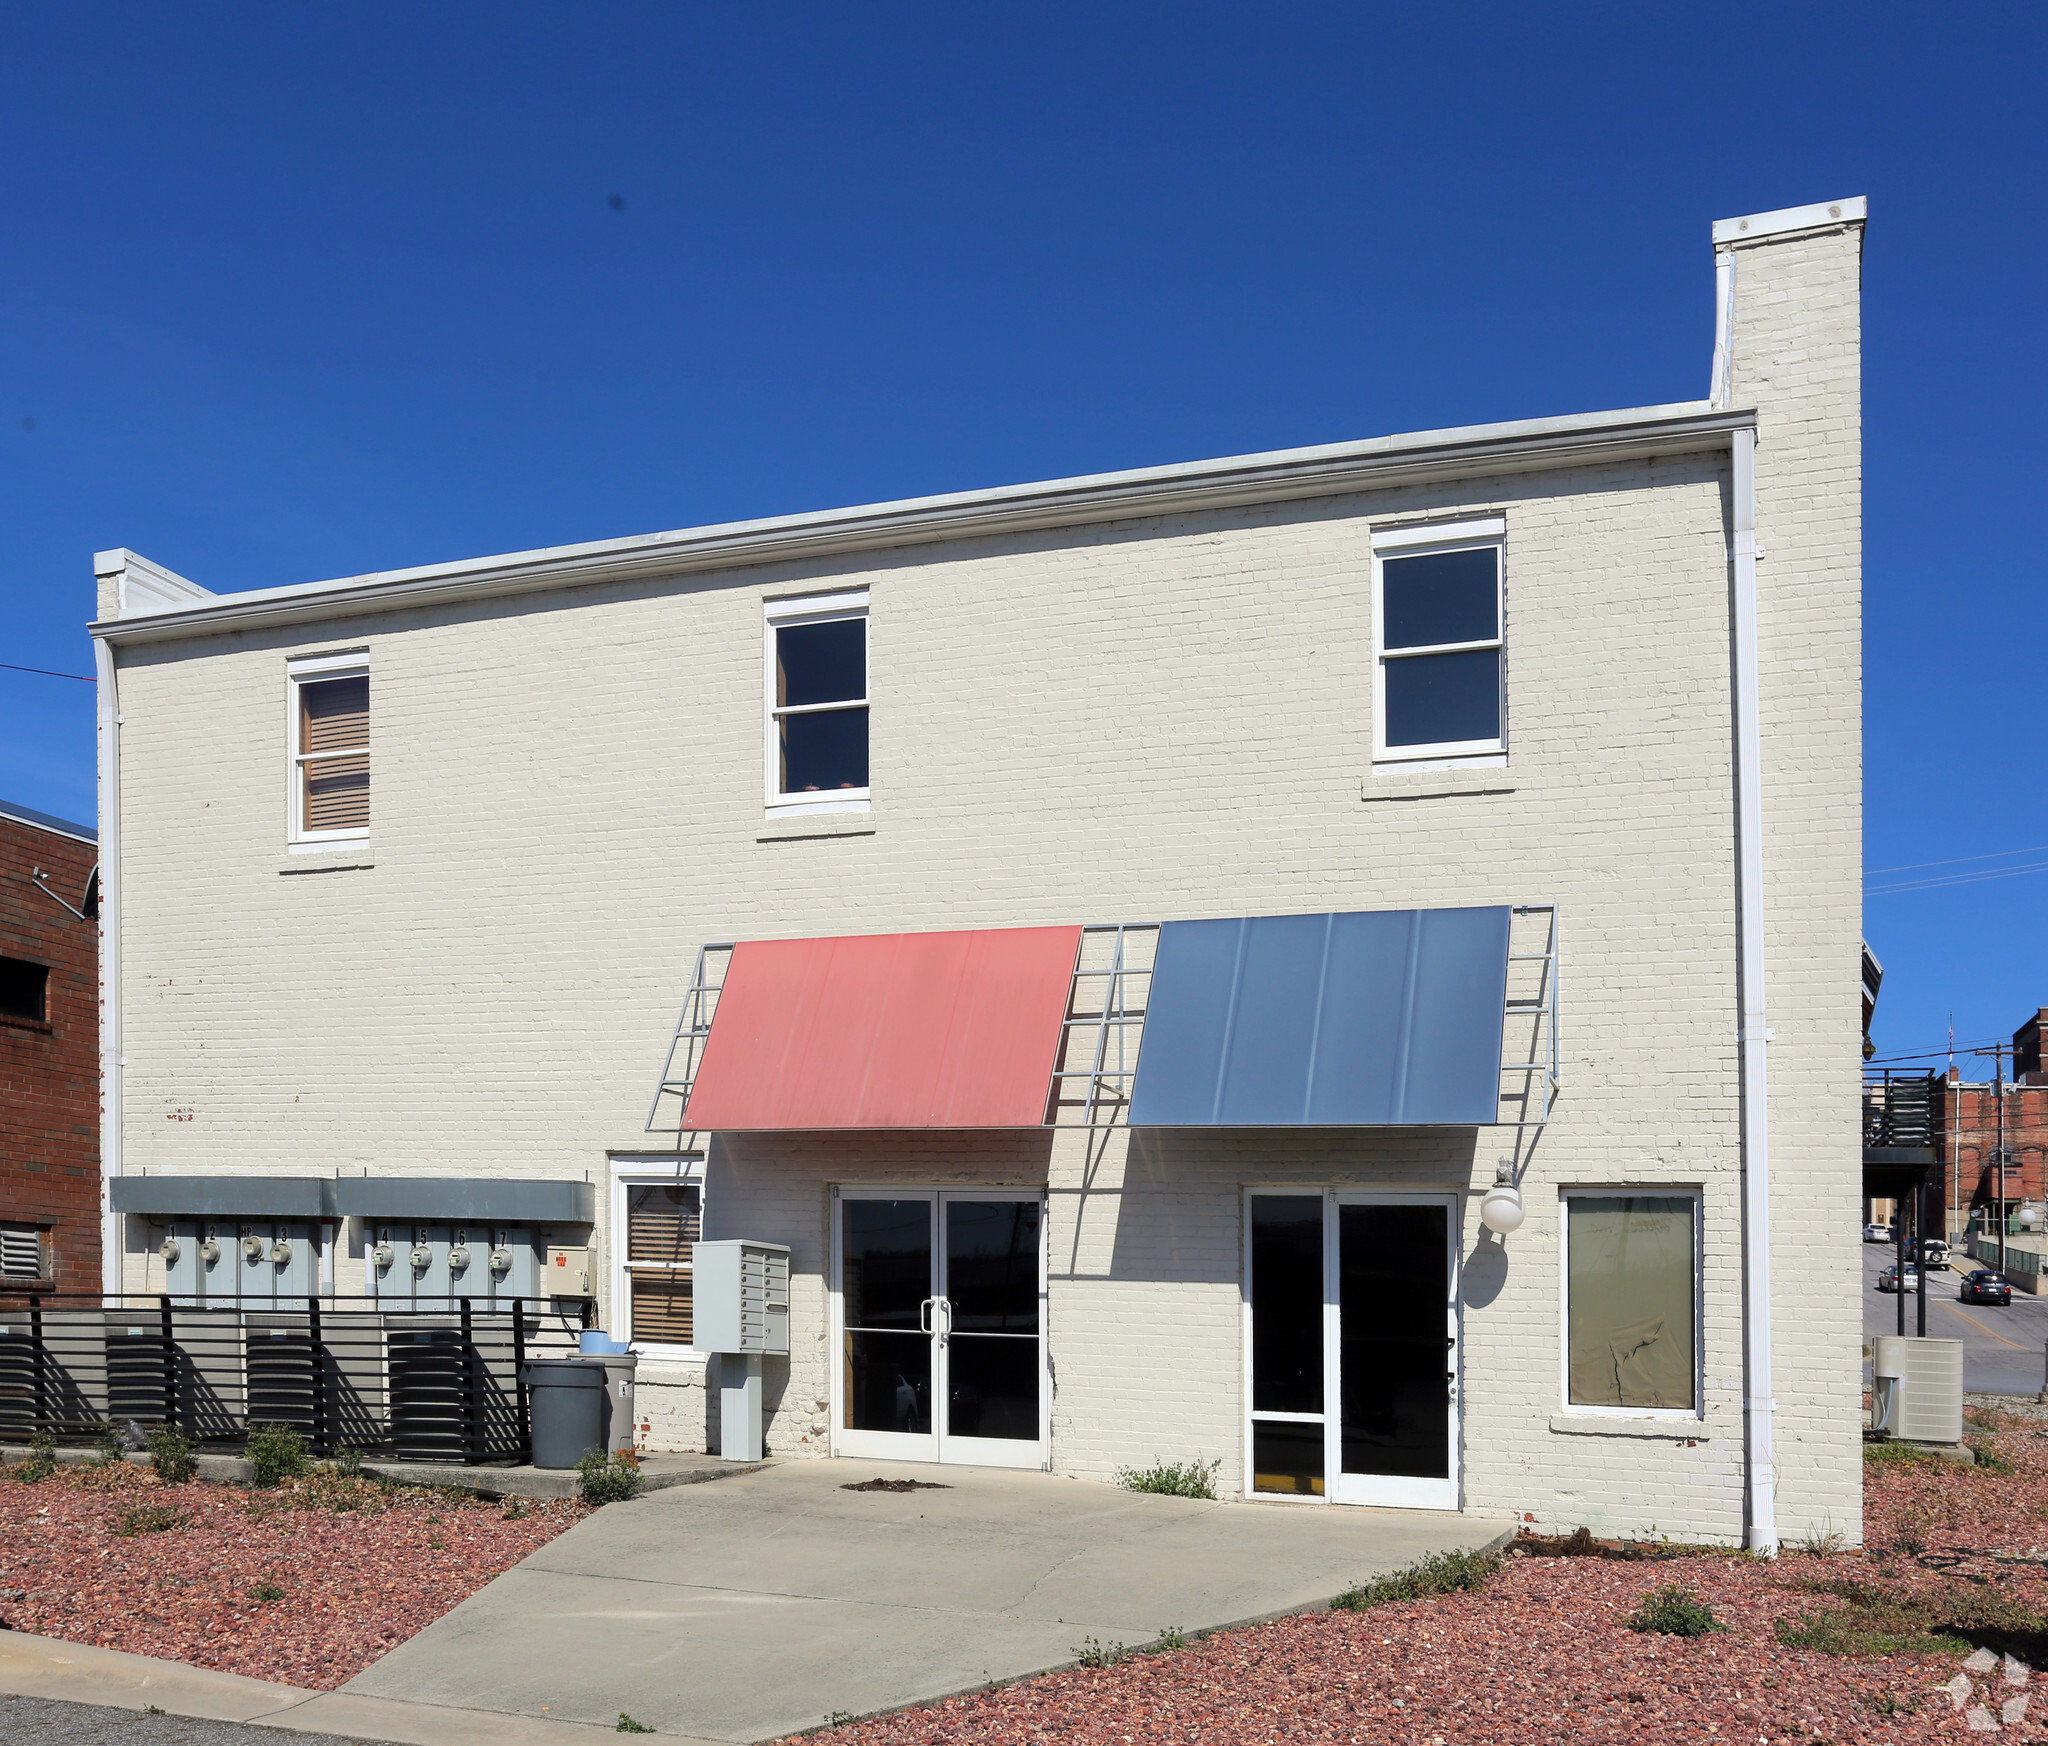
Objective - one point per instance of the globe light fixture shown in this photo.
(1501, 1210)
(2030, 1216)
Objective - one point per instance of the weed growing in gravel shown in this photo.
(1902, 1455)
(348, 1461)
(1439, 1573)
(106, 1447)
(149, 1519)
(1673, 1611)
(1988, 1459)
(41, 1462)
(839, 1718)
(266, 1591)
(514, 1510)
(1173, 1478)
(1819, 1545)
(277, 1453)
(1170, 1639)
(1873, 1618)
(170, 1453)
(1882, 1703)
(628, 1726)
(1093, 1652)
(604, 1477)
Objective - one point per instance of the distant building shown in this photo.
(1967, 1135)
(49, 1052)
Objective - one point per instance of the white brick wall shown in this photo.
(1135, 721)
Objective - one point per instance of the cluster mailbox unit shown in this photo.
(742, 1308)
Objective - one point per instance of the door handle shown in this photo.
(924, 1315)
(943, 1306)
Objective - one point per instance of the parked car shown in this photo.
(1985, 1285)
(1934, 1254)
(1888, 1280)
(1878, 1234)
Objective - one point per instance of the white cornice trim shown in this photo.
(1825, 215)
(1522, 446)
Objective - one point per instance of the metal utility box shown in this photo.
(740, 1292)
(567, 1273)
(1919, 1388)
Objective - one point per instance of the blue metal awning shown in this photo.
(1381, 1018)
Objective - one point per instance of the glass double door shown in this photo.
(1354, 1337)
(941, 1326)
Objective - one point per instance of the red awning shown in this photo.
(953, 1030)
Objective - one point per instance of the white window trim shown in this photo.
(1568, 1407)
(685, 1170)
(1409, 542)
(299, 840)
(807, 609)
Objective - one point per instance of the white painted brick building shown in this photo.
(1139, 697)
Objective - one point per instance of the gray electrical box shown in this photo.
(740, 1293)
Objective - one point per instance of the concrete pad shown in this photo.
(751, 1609)
(32, 1666)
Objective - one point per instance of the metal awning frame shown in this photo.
(1104, 1025)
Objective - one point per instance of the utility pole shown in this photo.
(2000, 1093)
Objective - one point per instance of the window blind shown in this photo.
(334, 717)
(663, 1221)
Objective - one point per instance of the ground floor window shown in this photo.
(662, 1221)
(1631, 1294)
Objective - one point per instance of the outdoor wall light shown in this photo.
(1501, 1211)
(2030, 1216)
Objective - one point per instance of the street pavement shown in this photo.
(39, 1721)
(2003, 1349)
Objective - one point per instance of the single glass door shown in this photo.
(1394, 1350)
(940, 1298)
(1352, 1304)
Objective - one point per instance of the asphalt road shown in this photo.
(2002, 1348)
(32, 1721)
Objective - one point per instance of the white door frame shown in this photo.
(1389, 1490)
(936, 1445)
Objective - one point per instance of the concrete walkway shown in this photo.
(78, 1673)
(771, 1601)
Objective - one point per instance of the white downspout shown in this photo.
(110, 958)
(1754, 1038)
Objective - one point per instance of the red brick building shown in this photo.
(49, 1052)
(1966, 1117)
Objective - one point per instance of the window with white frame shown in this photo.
(818, 702)
(330, 748)
(1631, 1301)
(662, 1222)
(1437, 606)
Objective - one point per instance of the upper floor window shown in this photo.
(24, 990)
(818, 702)
(330, 741)
(1438, 605)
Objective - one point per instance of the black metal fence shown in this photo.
(1898, 1108)
(422, 1385)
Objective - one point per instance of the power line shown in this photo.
(1953, 879)
(48, 672)
(1915, 866)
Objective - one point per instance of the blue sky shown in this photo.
(290, 292)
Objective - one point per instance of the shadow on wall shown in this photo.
(1178, 1216)
(1485, 1273)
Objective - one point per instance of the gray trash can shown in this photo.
(619, 1422)
(567, 1400)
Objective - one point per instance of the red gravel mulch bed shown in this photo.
(1543, 1652)
(344, 1585)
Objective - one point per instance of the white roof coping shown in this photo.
(1276, 475)
(1823, 215)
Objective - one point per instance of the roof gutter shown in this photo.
(1478, 450)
